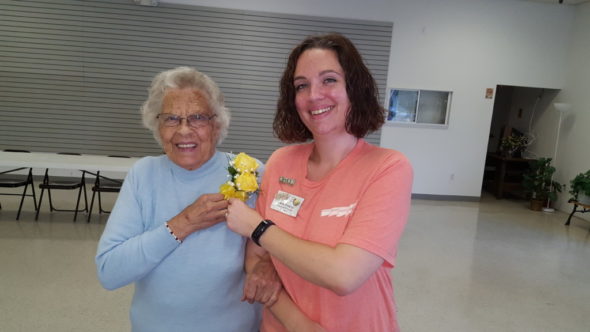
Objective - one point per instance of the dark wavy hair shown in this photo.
(366, 113)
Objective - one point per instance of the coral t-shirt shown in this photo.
(363, 202)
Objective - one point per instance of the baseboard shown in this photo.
(446, 197)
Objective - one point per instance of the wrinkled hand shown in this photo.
(206, 211)
(241, 218)
(262, 283)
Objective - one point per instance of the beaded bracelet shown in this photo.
(172, 233)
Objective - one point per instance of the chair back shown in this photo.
(10, 180)
(103, 184)
(50, 183)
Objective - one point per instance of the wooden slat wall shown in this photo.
(73, 74)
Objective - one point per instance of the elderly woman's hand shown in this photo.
(262, 283)
(206, 211)
(241, 218)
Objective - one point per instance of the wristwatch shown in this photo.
(260, 229)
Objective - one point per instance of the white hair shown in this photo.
(180, 78)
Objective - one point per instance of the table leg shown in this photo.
(571, 214)
(499, 178)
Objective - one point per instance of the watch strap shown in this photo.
(260, 229)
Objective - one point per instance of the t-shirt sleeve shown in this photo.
(382, 211)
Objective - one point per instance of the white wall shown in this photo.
(573, 156)
(462, 45)
(466, 48)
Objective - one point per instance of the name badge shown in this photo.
(286, 203)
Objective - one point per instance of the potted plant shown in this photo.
(580, 188)
(538, 183)
(513, 145)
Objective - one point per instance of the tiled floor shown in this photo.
(462, 266)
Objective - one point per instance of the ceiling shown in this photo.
(565, 2)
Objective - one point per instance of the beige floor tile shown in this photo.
(462, 266)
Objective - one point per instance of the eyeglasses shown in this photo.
(193, 120)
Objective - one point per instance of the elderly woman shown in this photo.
(331, 211)
(166, 232)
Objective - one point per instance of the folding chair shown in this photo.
(14, 181)
(103, 184)
(49, 183)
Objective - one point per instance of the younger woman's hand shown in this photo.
(241, 218)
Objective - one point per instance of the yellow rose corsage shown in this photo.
(243, 178)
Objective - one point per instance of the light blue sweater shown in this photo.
(193, 286)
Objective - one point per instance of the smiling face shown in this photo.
(186, 146)
(320, 92)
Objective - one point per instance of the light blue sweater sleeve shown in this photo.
(127, 251)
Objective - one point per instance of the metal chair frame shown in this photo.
(6, 182)
(111, 186)
(63, 185)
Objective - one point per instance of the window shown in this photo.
(428, 107)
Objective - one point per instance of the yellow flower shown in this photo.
(240, 194)
(243, 182)
(245, 163)
(227, 190)
(247, 182)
